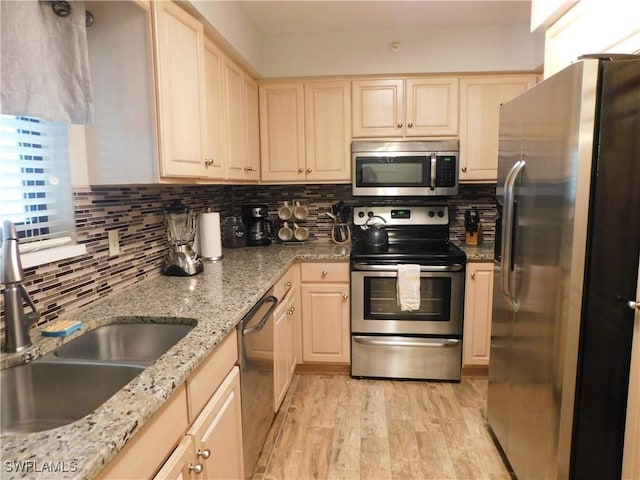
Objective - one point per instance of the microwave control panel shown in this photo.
(446, 168)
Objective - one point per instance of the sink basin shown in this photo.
(134, 343)
(41, 395)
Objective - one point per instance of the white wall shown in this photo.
(232, 23)
(441, 49)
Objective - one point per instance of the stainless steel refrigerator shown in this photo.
(567, 248)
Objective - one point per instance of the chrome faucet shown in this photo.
(17, 322)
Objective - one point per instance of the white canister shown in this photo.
(209, 245)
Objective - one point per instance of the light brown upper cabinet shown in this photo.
(241, 110)
(208, 106)
(214, 132)
(305, 131)
(480, 99)
(411, 107)
(179, 53)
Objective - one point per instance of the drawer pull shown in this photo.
(324, 273)
(197, 468)
(206, 453)
(345, 296)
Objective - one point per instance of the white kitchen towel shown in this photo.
(44, 62)
(408, 287)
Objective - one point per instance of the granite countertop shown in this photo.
(478, 253)
(216, 299)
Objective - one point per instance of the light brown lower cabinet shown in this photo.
(212, 447)
(197, 433)
(325, 312)
(284, 351)
(478, 302)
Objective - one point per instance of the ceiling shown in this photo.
(315, 16)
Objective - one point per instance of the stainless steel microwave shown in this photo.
(405, 168)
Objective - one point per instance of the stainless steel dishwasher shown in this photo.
(255, 339)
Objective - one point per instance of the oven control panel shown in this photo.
(399, 215)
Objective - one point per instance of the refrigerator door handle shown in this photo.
(507, 264)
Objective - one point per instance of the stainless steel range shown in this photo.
(387, 340)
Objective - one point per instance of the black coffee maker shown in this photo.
(257, 223)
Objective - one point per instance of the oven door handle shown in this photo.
(405, 342)
(457, 267)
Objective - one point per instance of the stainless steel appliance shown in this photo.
(389, 342)
(258, 225)
(414, 168)
(255, 339)
(181, 260)
(566, 268)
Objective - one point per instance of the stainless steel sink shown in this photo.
(42, 395)
(78, 377)
(133, 343)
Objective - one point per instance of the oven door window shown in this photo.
(408, 171)
(380, 300)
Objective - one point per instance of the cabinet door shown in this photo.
(235, 125)
(181, 85)
(252, 129)
(378, 108)
(282, 147)
(181, 464)
(480, 99)
(327, 108)
(217, 432)
(477, 314)
(214, 138)
(325, 322)
(432, 107)
(283, 348)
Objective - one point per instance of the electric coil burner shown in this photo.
(387, 342)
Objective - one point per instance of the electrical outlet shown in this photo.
(114, 243)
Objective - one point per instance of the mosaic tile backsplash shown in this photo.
(137, 213)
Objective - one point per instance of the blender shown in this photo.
(181, 260)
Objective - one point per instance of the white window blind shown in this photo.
(35, 181)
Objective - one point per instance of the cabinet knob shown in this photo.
(300, 170)
(464, 169)
(309, 170)
(400, 125)
(410, 124)
(197, 468)
(634, 305)
(208, 162)
(324, 273)
(248, 169)
(473, 275)
(206, 453)
(345, 296)
(288, 284)
(291, 310)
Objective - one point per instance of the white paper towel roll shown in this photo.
(209, 245)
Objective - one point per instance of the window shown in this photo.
(35, 181)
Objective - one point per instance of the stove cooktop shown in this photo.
(432, 254)
(417, 234)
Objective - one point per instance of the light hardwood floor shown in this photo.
(336, 427)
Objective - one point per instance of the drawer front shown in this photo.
(149, 447)
(285, 283)
(325, 272)
(202, 383)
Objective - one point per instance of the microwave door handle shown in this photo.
(434, 169)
